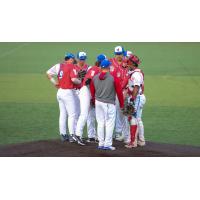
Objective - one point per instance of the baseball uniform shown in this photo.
(104, 88)
(66, 96)
(121, 125)
(87, 111)
(137, 78)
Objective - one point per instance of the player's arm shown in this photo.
(74, 77)
(125, 83)
(51, 73)
(76, 81)
(119, 92)
(92, 91)
(136, 83)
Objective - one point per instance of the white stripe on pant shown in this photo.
(105, 116)
(67, 105)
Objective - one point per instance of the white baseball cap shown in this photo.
(119, 50)
(81, 55)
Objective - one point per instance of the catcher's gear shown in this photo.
(133, 60)
(129, 107)
(82, 73)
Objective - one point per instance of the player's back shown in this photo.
(104, 88)
(65, 75)
(91, 73)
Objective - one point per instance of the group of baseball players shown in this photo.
(110, 93)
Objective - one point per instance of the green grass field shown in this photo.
(28, 106)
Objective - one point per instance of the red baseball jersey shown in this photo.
(122, 74)
(65, 74)
(115, 64)
(78, 68)
(91, 73)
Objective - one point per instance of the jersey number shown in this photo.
(92, 73)
(60, 75)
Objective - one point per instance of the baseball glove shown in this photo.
(81, 73)
(128, 109)
(88, 81)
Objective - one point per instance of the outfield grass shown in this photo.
(28, 106)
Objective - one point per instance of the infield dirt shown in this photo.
(54, 148)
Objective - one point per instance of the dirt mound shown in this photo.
(54, 148)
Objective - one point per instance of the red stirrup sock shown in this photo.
(133, 129)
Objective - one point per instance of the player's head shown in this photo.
(105, 65)
(119, 53)
(100, 58)
(127, 54)
(69, 58)
(133, 61)
(81, 56)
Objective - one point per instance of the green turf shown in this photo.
(28, 106)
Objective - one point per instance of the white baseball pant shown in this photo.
(67, 105)
(105, 116)
(85, 113)
(121, 123)
(119, 117)
(91, 123)
(139, 104)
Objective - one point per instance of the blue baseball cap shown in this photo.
(119, 50)
(101, 57)
(105, 63)
(81, 55)
(69, 55)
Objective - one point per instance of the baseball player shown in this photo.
(104, 88)
(66, 82)
(87, 111)
(119, 69)
(91, 115)
(137, 99)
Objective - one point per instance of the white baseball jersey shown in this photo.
(137, 78)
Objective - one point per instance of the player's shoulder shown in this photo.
(57, 65)
(92, 67)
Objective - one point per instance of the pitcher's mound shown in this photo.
(54, 148)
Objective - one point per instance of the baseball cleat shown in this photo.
(126, 141)
(101, 147)
(74, 137)
(119, 138)
(141, 143)
(109, 148)
(71, 139)
(78, 140)
(92, 140)
(131, 145)
(64, 137)
(116, 135)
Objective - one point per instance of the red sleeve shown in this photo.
(125, 82)
(92, 91)
(119, 92)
